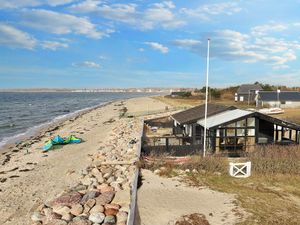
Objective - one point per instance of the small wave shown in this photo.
(7, 126)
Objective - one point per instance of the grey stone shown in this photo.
(110, 220)
(89, 195)
(97, 217)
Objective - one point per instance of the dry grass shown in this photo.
(271, 195)
(274, 160)
(292, 115)
(192, 219)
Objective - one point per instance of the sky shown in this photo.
(145, 43)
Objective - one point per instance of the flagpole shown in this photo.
(206, 97)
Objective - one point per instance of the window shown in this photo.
(251, 132)
(230, 132)
(241, 123)
(240, 132)
(251, 122)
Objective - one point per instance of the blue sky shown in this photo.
(89, 43)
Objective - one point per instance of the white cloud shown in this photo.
(141, 50)
(31, 3)
(205, 12)
(158, 46)
(60, 23)
(53, 45)
(88, 64)
(186, 43)
(266, 28)
(156, 15)
(248, 48)
(14, 38)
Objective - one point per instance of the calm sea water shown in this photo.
(22, 114)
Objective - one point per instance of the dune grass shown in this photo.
(270, 196)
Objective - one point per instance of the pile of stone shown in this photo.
(103, 194)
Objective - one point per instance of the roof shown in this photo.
(280, 122)
(193, 114)
(245, 88)
(224, 117)
(283, 96)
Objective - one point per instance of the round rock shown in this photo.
(96, 217)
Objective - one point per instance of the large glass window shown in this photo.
(241, 123)
(230, 132)
(250, 132)
(240, 132)
(251, 122)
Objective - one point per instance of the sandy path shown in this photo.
(163, 200)
(49, 174)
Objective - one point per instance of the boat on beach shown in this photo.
(271, 111)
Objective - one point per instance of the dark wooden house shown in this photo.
(230, 129)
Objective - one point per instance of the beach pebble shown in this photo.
(88, 205)
(76, 210)
(61, 210)
(112, 206)
(105, 188)
(105, 198)
(111, 212)
(97, 208)
(122, 216)
(89, 195)
(57, 222)
(78, 187)
(67, 217)
(80, 222)
(97, 217)
(67, 199)
(37, 216)
(110, 220)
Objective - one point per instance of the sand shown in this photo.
(46, 175)
(161, 201)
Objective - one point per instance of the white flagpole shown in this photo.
(206, 97)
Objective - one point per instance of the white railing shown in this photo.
(240, 170)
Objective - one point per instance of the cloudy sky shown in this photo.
(143, 43)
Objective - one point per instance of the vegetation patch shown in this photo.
(192, 219)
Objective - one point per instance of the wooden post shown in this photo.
(276, 133)
(167, 144)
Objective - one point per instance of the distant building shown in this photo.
(282, 99)
(247, 92)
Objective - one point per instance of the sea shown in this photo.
(23, 114)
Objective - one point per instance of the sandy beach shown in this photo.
(31, 177)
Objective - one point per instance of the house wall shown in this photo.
(287, 104)
(245, 97)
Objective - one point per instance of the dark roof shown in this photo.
(245, 88)
(280, 122)
(283, 96)
(193, 114)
